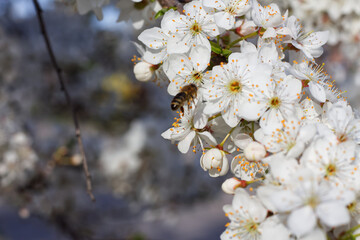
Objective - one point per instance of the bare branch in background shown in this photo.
(173, 3)
(67, 96)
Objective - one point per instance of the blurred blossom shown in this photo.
(17, 160)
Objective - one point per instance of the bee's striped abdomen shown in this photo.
(178, 101)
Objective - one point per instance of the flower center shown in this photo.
(352, 206)
(312, 201)
(252, 228)
(275, 102)
(195, 29)
(197, 77)
(330, 170)
(342, 138)
(235, 86)
(230, 10)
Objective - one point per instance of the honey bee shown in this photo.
(187, 94)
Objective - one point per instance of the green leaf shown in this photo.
(216, 48)
(163, 11)
(226, 52)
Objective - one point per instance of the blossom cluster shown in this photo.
(139, 12)
(342, 19)
(264, 103)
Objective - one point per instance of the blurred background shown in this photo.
(144, 188)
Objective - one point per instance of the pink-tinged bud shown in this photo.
(143, 71)
(254, 151)
(231, 184)
(215, 162)
(246, 28)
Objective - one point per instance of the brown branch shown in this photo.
(172, 3)
(67, 96)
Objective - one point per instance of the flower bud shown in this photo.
(245, 28)
(215, 162)
(143, 71)
(254, 151)
(231, 184)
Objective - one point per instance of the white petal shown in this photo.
(167, 134)
(268, 53)
(219, 5)
(208, 138)
(317, 91)
(241, 140)
(271, 120)
(269, 33)
(200, 57)
(153, 38)
(224, 20)
(155, 56)
(251, 111)
(247, 47)
(272, 229)
(184, 144)
(290, 89)
(302, 221)
(317, 234)
(230, 117)
(285, 200)
(264, 193)
(243, 202)
(193, 9)
(333, 214)
(178, 44)
(296, 150)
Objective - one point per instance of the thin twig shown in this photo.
(171, 3)
(67, 96)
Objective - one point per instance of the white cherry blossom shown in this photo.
(246, 169)
(278, 102)
(334, 163)
(233, 86)
(267, 17)
(310, 43)
(308, 200)
(340, 119)
(184, 70)
(227, 11)
(194, 27)
(248, 220)
(155, 39)
(185, 133)
(312, 76)
(290, 139)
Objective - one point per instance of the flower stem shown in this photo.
(353, 229)
(226, 137)
(240, 39)
(348, 234)
(213, 117)
(256, 180)
(356, 235)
